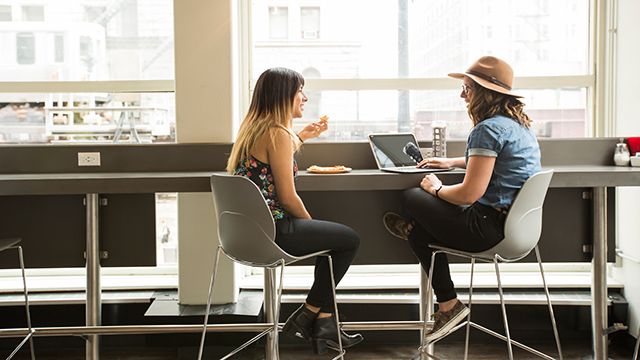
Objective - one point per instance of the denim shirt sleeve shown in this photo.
(485, 140)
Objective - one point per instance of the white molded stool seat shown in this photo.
(522, 230)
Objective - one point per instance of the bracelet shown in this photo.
(299, 138)
(438, 189)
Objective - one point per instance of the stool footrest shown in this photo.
(504, 338)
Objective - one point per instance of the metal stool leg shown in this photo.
(29, 336)
(546, 291)
(424, 346)
(273, 308)
(466, 338)
(335, 306)
(635, 352)
(504, 309)
(206, 314)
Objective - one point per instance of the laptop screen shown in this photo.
(393, 150)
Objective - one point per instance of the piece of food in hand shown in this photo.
(324, 119)
(336, 169)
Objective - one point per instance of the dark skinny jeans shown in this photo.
(472, 228)
(301, 237)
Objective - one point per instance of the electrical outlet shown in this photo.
(88, 159)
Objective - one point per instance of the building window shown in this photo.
(310, 22)
(33, 13)
(5, 13)
(25, 48)
(278, 22)
(58, 48)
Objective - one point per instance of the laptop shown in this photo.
(398, 153)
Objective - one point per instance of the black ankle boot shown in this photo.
(300, 323)
(325, 335)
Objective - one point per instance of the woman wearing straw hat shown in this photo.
(502, 153)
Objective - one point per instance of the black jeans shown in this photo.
(469, 228)
(300, 237)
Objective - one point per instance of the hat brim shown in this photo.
(485, 84)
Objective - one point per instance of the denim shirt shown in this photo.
(517, 156)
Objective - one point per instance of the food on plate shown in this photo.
(336, 169)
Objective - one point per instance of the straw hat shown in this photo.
(490, 73)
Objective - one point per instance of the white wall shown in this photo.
(204, 113)
(628, 124)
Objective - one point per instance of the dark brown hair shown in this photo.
(485, 103)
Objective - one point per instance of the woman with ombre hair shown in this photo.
(264, 152)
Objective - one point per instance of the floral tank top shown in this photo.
(260, 173)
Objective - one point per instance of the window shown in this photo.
(112, 51)
(5, 13)
(25, 48)
(58, 48)
(33, 13)
(310, 22)
(401, 52)
(278, 22)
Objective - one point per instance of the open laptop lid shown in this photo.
(395, 150)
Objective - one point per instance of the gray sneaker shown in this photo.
(445, 321)
(396, 225)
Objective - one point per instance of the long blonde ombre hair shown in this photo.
(271, 109)
(485, 103)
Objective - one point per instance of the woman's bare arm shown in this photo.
(280, 155)
(475, 183)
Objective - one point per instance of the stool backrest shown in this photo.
(523, 225)
(245, 225)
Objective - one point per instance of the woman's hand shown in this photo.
(430, 183)
(434, 162)
(314, 129)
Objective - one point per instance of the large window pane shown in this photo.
(108, 118)
(417, 39)
(86, 40)
(104, 40)
(426, 38)
(355, 114)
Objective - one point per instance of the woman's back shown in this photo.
(517, 157)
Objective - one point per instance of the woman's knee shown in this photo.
(413, 199)
(421, 205)
(351, 238)
(340, 237)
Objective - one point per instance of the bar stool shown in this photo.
(522, 230)
(247, 232)
(6, 244)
